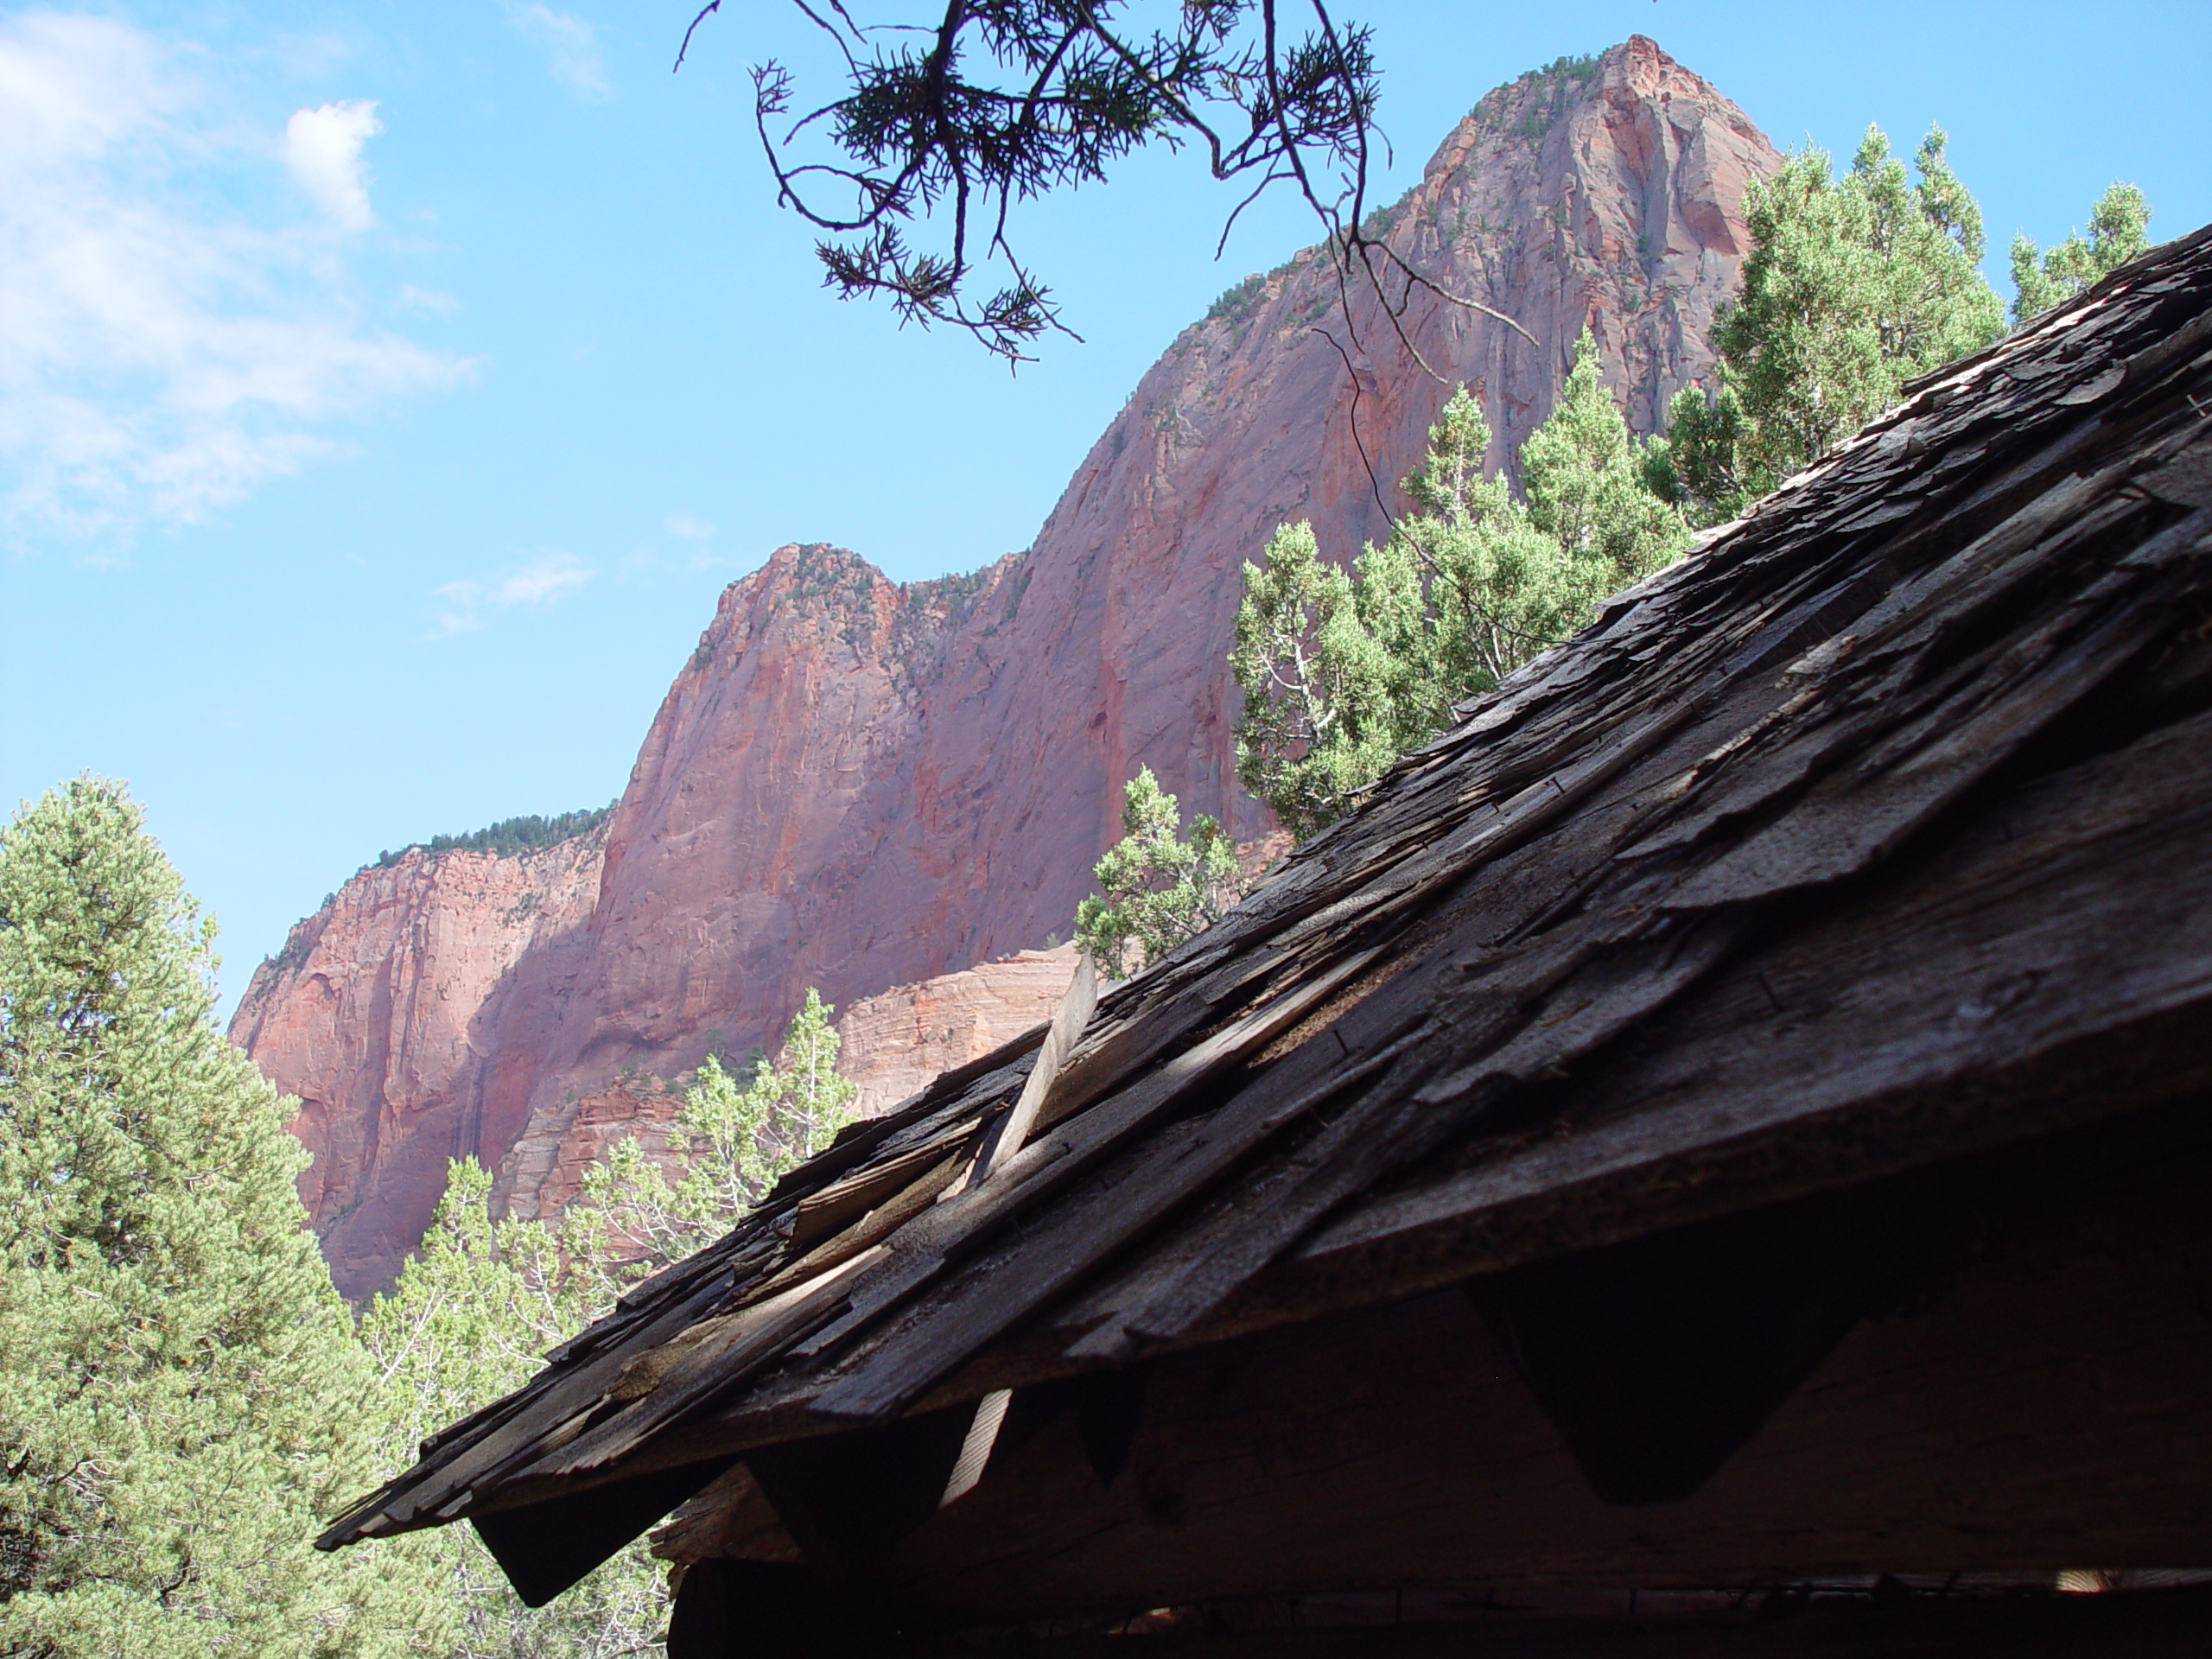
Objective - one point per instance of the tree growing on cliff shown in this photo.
(511, 838)
(2120, 229)
(1853, 287)
(1344, 670)
(1158, 888)
(180, 1398)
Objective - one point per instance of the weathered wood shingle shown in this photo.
(1843, 847)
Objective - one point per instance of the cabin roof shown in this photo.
(1840, 848)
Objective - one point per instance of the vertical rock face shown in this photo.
(854, 784)
(385, 1015)
(891, 1045)
(895, 1041)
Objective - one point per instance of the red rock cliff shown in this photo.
(386, 1014)
(856, 785)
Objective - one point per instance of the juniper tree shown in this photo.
(1853, 287)
(1502, 580)
(2118, 230)
(1320, 719)
(1344, 670)
(181, 1399)
(1158, 888)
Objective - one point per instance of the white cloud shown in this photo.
(571, 45)
(683, 527)
(322, 147)
(535, 583)
(540, 580)
(412, 298)
(161, 357)
(70, 87)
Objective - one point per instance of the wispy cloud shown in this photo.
(696, 537)
(535, 583)
(160, 358)
(412, 298)
(571, 45)
(322, 147)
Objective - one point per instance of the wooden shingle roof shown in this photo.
(1847, 845)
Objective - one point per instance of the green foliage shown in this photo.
(1159, 889)
(992, 105)
(482, 1299)
(182, 1401)
(465, 1322)
(1500, 581)
(1344, 670)
(732, 1141)
(1583, 476)
(1237, 298)
(1554, 85)
(510, 836)
(1383, 216)
(1854, 286)
(2120, 229)
(1701, 464)
(1319, 721)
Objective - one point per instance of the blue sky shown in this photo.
(388, 388)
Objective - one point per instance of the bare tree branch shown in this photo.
(1010, 99)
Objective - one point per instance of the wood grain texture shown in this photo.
(1396, 1446)
(1868, 836)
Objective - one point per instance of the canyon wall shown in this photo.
(387, 1014)
(895, 1041)
(856, 785)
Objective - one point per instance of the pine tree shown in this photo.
(1854, 286)
(1582, 474)
(2120, 229)
(1319, 720)
(1344, 670)
(731, 1142)
(1471, 587)
(482, 1299)
(467, 1320)
(1158, 888)
(181, 1399)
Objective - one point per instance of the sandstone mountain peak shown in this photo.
(857, 784)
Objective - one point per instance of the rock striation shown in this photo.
(857, 784)
(897, 1041)
(387, 1014)
(891, 1045)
